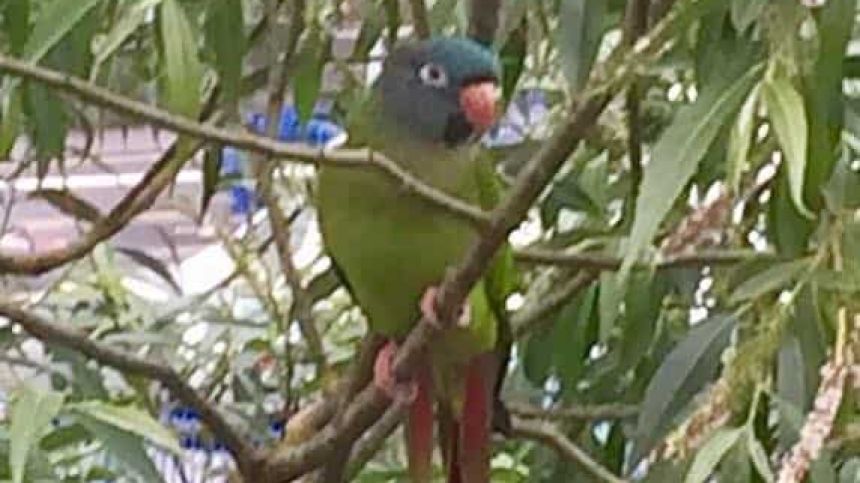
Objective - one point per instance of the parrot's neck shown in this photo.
(436, 164)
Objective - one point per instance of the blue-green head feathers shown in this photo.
(421, 84)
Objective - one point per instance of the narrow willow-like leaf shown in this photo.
(768, 280)
(740, 139)
(579, 33)
(126, 446)
(129, 419)
(758, 456)
(682, 373)
(308, 74)
(788, 116)
(154, 265)
(225, 23)
(54, 22)
(711, 453)
(676, 157)
(182, 69)
(130, 18)
(32, 411)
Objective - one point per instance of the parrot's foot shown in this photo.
(428, 309)
(384, 379)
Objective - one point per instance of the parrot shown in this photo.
(432, 101)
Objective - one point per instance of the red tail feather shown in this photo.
(472, 454)
(419, 430)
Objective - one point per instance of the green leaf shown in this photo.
(211, 176)
(676, 156)
(683, 372)
(56, 19)
(789, 230)
(48, 119)
(758, 456)
(130, 18)
(16, 24)
(711, 453)
(308, 74)
(68, 203)
(791, 382)
(31, 414)
(788, 117)
(10, 122)
(609, 302)
(225, 35)
(153, 264)
(538, 357)
(773, 278)
(512, 57)
(182, 69)
(124, 445)
(574, 333)
(842, 190)
(578, 36)
(128, 419)
(740, 139)
(746, 12)
(823, 93)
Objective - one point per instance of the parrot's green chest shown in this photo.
(390, 244)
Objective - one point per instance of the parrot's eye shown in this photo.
(433, 75)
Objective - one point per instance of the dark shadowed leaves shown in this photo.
(685, 371)
(68, 203)
(153, 264)
(225, 35)
(579, 34)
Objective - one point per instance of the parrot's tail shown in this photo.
(419, 430)
(466, 442)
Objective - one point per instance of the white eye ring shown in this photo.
(433, 75)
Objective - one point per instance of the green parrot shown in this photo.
(433, 99)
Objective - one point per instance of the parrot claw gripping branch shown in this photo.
(432, 101)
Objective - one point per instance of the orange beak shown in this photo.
(479, 103)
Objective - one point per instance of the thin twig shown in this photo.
(373, 439)
(279, 223)
(589, 261)
(546, 433)
(527, 319)
(588, 412)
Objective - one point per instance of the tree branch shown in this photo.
(589, 261)
(138, 199)
(420, 21)
(373, 439)
(279, 223)
(302, 153)
(546, 433)
(590, 412)
(370, 404)
(247, 458)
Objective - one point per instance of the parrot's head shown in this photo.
(441, 91)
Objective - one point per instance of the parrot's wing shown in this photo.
(500, 281)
